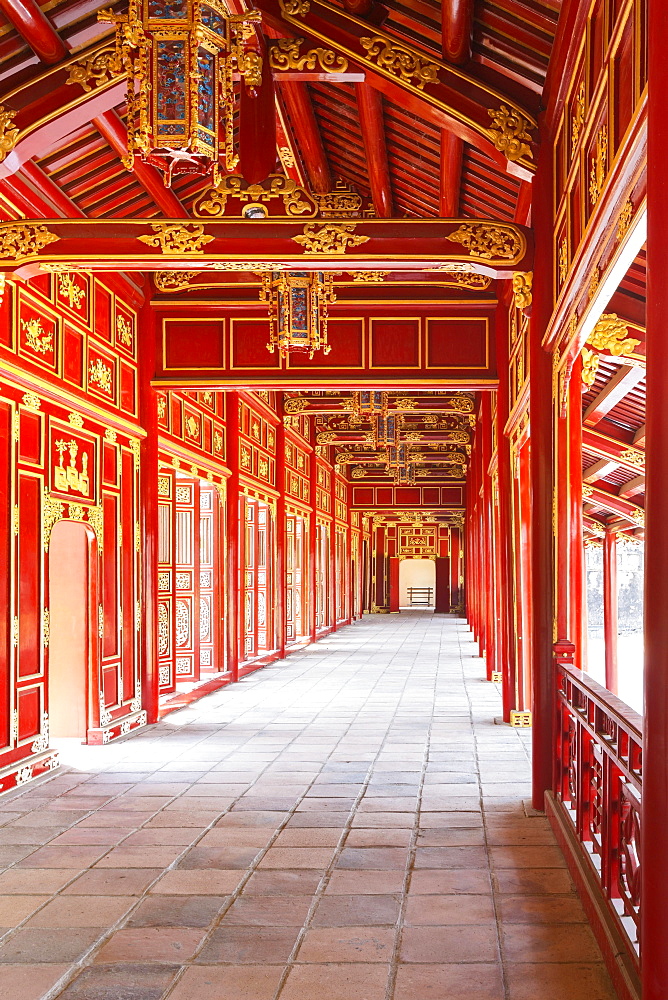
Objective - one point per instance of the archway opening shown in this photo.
(417, 583)
(70, 601)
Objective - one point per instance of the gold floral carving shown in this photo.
(509, 133)
(287, 157)
(594, 283)
(246, 60)
(173, 281)
(162, 407)
(246, 265)
(9, 133)
(599, 165)
(110, 435)
(578, 117)
(285, 54)
(99, 374)
(97, 69)
(69, 290)
(37, 339)
(589, 367)
(624, 221)
(174, 238)
(368, 276)
(331, 239)
(357, 472)
(21, 240)
(489, 241)
(31, 401)
(75, 420)
(611, 334)
(462, 403)
(295, 199)
(398, 60)
(472, 280)
(326, 437)
(294, 8)
(405, 403)
(341, 203)
(295, 405)
(123, 330)
(135, 448)
(52, 511)
(522, 283)
(563, 259)
(633, 457)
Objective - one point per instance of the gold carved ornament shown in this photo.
(174, 238)
(578, 117)
(98, 69)
(368, 276)
(342, 203)
(633, 457)
(68, 289)
(400, 61)
(75, 420)
(52, 511)
(489, 241)
(123, 330)
(589, 368)
(472, 280)
(37, 339)
(509, 133)
(522, 293)
(599, 165)
(9, 133)
(611, 334)
(624, 221)
(296, 200)
(31, 401)
(294, 8)
(285, 54)
(22, 240)
(99, 375)
(287, 157)
(173, 281)
(330, 238)
(594, 283)
(562, 260)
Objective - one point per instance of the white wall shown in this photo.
(416, 573)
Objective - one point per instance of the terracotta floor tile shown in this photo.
(355, 981)
(14, 909)
(347, 944)
(296, 857)
(533, 880)
(451, 857)
(226, 858)
(472, 981)
(151, 944)
(303, 882)
(455, 909)
(202, 882)
(229, 982)
(163, 837)
(365, 882)
(574, 981)
(111, 982)
(549, 943)
(113, 882)
(270, 911)
(177, 911)
(459, 837)
(356, 911)
(252, 818)
(311, 819)
(378, 838)
(540, 909)
(52, 945)
(373, 858)
(243, 837)
(308, 837)
(237, 945)
(29, 982)
(34, 881)
(526, 857)
(452, 943)
(456, 880)
(90, 836)
(82, 911)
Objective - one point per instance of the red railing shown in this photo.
(599, 782)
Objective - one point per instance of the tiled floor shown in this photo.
(344, 825)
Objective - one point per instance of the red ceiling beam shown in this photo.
(456, 26)
(35, 28)
(48, 187)
(298, 105)
(112, 128)
(619, 385)
(452, 151)
(370, 105)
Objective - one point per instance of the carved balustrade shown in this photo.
(599, 782)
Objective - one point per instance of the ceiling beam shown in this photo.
(300, 109)
(619, 385)
(370, 105)
(48, 187)
(457, 25)
(35, 28)
(632, 488)
(452, 152)
(599, 470)
(639, 437)
(112, 128)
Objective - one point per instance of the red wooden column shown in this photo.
(312, 545)
(654, 850)
(333, 574)
(148, 506)
(281, 578)
(610, 608)
(487, 592)
(395, 562)
(577, 612)
(541, 473)
(233, 582)
(505, 558)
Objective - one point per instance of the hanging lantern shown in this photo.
(367, 403)
(298, 303)
(397, 456)
(180, 57)
(404, 475)
(386, 429)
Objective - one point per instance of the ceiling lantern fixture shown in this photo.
(368, 403)
(404, 475)
(385, 427)
(298, 304)
(180, 57)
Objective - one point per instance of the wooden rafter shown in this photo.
(370, 104)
